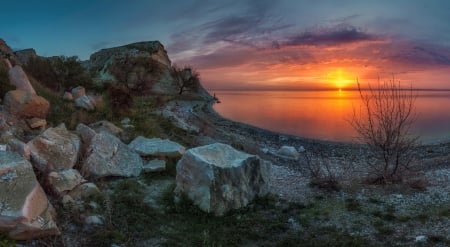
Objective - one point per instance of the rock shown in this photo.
(16, 145)
(156, 147)
(67, 201)
(25, 212)
(86, 102)
(54, 149)
(25, 55)
(288, 152)
(301, 149)
(64, 180)
(421, 239)
(2, 147)
(19, 78)
(108, 156)
(106, 126)
(35, 123)
(94, 220)
(218, 178)
(84, 191)
(26, 105)
(154, 166)
(68, 96)
(78, 92)
(86, 134)
(126, 123)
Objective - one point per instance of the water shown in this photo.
(325, 114)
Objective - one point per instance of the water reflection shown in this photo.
(324, 114)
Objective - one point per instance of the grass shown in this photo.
(5, 241)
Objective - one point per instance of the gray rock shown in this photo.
(288, 152)
(18, 78)
(65, 180)
(106, 126)
(68, 96)
(108, 156)
(218, 178)
(25, 212)
(94, 220)
(78, 92)
(84, 191)
(54, 149)
(156, 147)
(421, 239)
(86, 102)
(154, 166)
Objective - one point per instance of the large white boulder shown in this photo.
(156, 147)
(18, 78)
(25, 211)
(218, 178)
(108, 156)
(55, 149)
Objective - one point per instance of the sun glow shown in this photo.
(339, 78)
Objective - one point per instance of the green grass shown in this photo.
(6, 241)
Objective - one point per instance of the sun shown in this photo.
(339, 78)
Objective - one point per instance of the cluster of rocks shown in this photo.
(83, 100)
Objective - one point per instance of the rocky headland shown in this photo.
(125, 149)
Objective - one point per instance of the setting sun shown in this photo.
(339, 78)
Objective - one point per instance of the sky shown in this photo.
(253, 44)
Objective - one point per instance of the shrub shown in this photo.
(384, 123)
(186, 79)
(5, 85)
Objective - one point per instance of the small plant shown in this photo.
(384, 123)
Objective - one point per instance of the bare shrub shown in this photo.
(186, 79)
(384, 123)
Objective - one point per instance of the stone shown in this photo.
(68, 96)
(86, 102)
(64, 180)
(84, 191)
(25, 212)
(218, 178)
(301, 149)
(107, 156)
(18, 146)
(94, 220)
(106, 126)
(36, 123)
(19, 78)
(421, 239)
(2, 147)
(86, 134)
(156, 147)
(154, 166)
(23, 104)
(54, 149)
(78, 92)
(288, 152)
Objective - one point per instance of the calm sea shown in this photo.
(324, 114)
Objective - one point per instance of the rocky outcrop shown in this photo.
(19, 78)
(156, 147)
(64, 180)
(25, 212)
(107, 156)
(24, 104)
(54, 149)
(25, 55)
(7, 53)
(218, 178)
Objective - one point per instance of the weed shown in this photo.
(6, 241)
(353, 205)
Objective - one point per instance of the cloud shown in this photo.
(340, 34)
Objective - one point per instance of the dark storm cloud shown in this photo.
(341, 34)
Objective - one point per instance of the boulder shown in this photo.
(54, 149)
(64, 180)
(25, 212)
(68, 96)
(35, 123)
(86, 102)
(288, 152)
(18, 146)
(19, 78)
(84, 191)
(106, 126)
(156, 147)
(108, 156)
(154, 166)
(26, 105)
(78, 92)
(86, 134)
(218, 178)
(25, 55)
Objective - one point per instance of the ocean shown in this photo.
(325, 115)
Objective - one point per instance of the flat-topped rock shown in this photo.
(156, 147)
(218, 178)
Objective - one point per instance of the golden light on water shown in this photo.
(339, 78)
